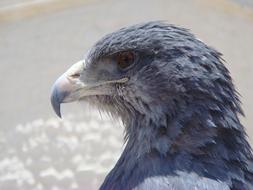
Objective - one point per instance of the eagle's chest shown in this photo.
(181, 181)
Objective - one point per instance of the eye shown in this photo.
(125, 59)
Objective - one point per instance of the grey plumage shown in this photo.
(179, 107)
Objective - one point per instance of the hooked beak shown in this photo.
(65, 87)
(69, 87)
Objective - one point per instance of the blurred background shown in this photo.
(40, 39)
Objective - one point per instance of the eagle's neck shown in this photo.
(198, 140)
(196, 130)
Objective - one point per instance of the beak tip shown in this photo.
(56, 102)
(57, 108)
(58, 112)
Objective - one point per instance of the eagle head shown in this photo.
(147, 70)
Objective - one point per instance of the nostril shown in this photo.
(76, 75)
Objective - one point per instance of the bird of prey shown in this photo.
(177, 102)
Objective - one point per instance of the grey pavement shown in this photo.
(36, 48)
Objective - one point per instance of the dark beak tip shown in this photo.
(56, 106)
(58, 112)
(56, 102)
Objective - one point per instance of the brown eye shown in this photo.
(125, 59)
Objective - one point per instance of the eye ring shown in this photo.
(125, 59)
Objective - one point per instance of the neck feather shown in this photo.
(206, 140)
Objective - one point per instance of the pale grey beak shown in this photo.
(65, 87)
(69, 87)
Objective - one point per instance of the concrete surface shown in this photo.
(37, 46)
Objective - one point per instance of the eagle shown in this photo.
(177, 102)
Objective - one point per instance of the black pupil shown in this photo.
(125, 60)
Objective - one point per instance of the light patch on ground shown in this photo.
(73, 153)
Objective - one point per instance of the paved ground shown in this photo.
(37, 46)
